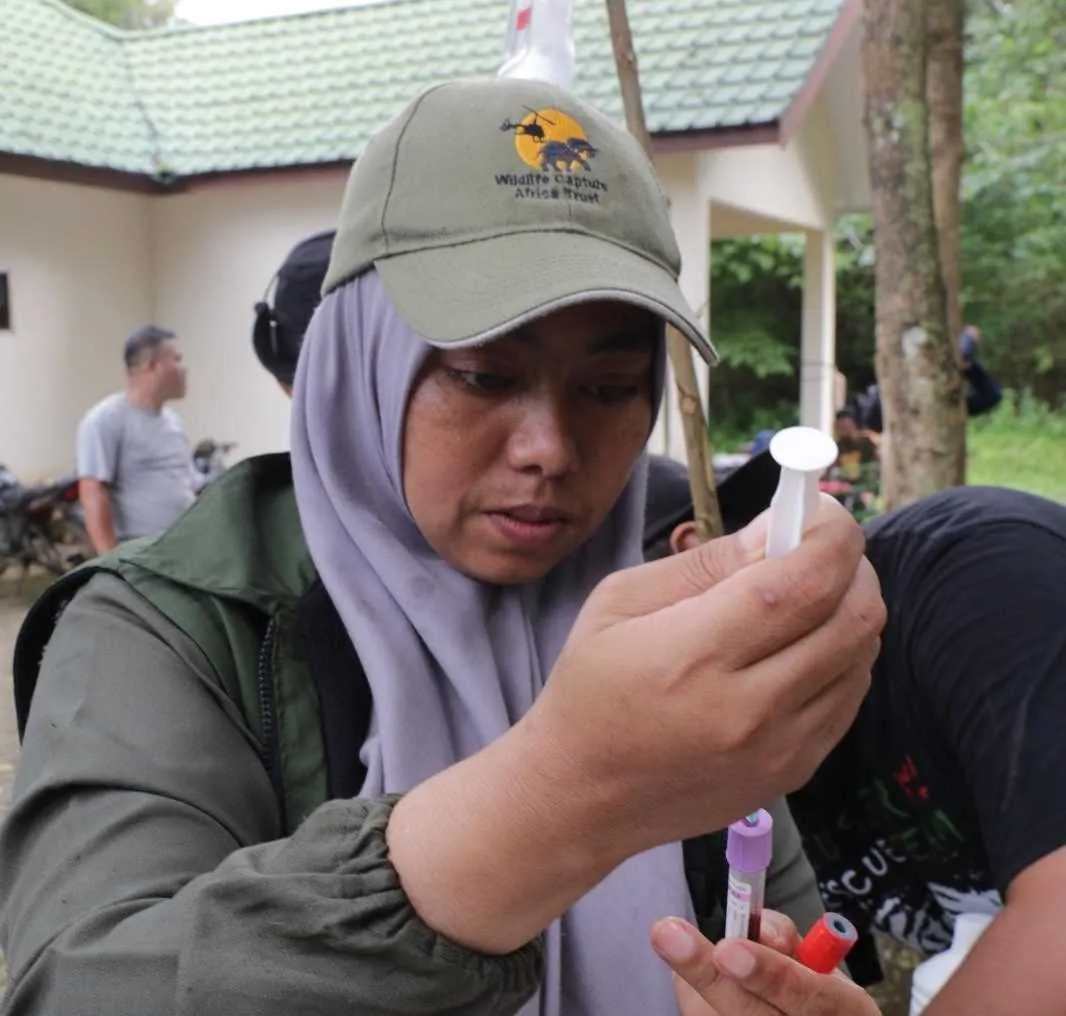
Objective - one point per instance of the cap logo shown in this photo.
(555, 146)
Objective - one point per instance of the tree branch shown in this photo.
(698, 448)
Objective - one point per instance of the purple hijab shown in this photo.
(452, 662)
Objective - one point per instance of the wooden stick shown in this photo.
(698, 448)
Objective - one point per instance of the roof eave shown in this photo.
(244, 172)
(794, 116)
(668, 142)
(39, 168)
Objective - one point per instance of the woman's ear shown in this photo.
(684, 537)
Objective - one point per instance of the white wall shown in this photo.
(690, 215)
(214, 251)
(87, 266)
(768, 180)
(842, 97)
(78, 264)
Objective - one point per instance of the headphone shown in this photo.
(278, 331)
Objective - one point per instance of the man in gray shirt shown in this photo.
(134, 462)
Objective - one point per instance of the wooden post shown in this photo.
(698, 448)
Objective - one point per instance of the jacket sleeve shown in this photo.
(142, 869)
(791, 885)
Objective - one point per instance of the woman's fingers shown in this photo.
(846, 643)
(691, 957)
(761, 609)
(736, 978)
(778, 932)
(690, 1002)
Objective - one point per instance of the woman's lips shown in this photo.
(529, 526)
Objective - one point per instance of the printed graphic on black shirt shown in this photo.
(895, 860)
(949, 783)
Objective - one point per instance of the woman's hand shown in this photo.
(695, 689)
(691, 691)
(738, 978)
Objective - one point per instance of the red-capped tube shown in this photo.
(827, 943)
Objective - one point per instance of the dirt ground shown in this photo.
(892, 996)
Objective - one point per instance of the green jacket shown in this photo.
(231, 575)
(160, 878)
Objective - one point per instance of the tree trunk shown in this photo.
(945, 28)
(917, 366)
(698, 448)
(945, 25)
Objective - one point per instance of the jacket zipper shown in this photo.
(270, 750)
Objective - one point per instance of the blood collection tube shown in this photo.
(749, 847)
(827, 943)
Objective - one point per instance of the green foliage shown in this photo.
(1014, 254)
(128, 13)
(757, 288)
(1013, 237)
(1021, 444)
(1023, 413)
(757, 304)
(757, 291)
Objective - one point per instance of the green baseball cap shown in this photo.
(488, 203)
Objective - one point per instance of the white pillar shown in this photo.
(818, 348)
(690, 214)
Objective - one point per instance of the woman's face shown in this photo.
(515, 451)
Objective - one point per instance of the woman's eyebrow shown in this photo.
(623, 342)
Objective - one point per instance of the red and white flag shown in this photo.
(540, 42)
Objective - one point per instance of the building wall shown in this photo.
(690, 215)
(214, 251)
(78, 263)
(87, 266)
(769, 181)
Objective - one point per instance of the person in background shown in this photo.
(948, 793)
(984, 392)
(278, 332)
(761, 441)
(135, 467)
(742, 493)
(855, 449)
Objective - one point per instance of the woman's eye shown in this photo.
(481, 381)
(612, 394)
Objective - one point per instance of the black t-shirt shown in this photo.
(953, 778)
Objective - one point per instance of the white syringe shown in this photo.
(803, 454)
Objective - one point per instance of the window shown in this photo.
(5, 304)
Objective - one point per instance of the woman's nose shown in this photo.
(543, 437)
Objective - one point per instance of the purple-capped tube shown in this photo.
(749, 847)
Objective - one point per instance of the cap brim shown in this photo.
(475, 292)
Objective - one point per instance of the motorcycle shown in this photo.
(210, 458)
(41, 526)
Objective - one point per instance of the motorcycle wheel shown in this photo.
(43, 552)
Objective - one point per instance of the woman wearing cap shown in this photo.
(470, 409)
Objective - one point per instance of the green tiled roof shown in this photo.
(311, 88)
